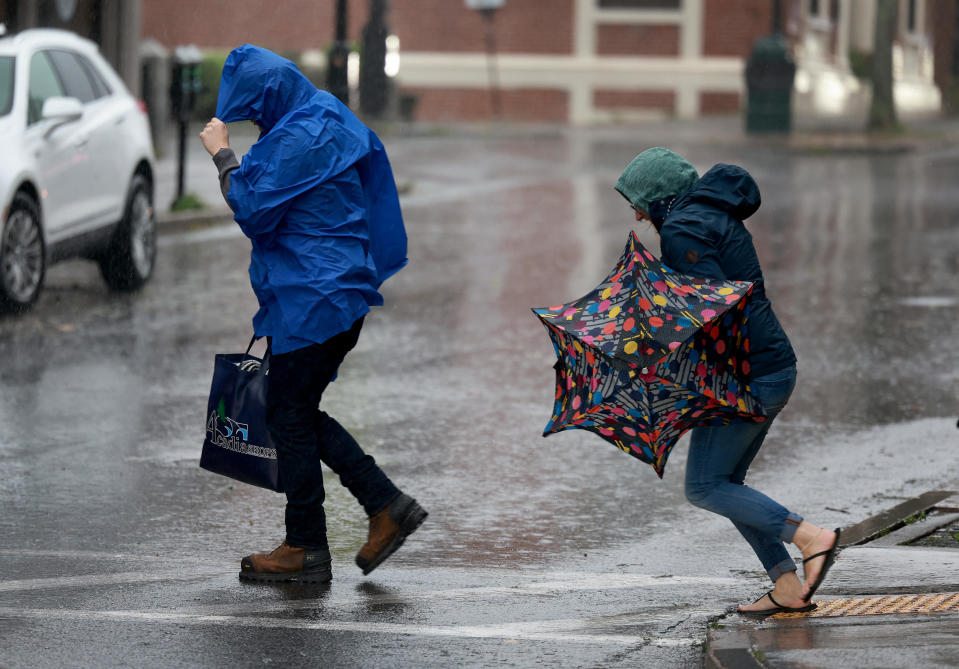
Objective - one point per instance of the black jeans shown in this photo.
(304, 436)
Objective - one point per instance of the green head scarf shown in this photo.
(655, 174)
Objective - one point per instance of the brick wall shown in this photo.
(471, 104)
(293, 25)
(941, 24)
(635, 99)
(520, 26)
(719, 102)
(637, 40)
(731, 26)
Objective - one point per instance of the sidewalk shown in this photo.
(890, 600)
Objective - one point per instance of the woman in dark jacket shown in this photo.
(700, 223)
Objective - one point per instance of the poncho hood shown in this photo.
(258, 85)
(317, 197)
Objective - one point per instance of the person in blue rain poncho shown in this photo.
(316, 197)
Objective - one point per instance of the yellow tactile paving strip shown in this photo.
(878, 606)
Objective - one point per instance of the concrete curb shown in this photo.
(184, 221)
(733, 646)
(892, 519)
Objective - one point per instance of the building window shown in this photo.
(640, 4)
(911, 16)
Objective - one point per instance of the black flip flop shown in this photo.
(779, 608)
(830, 556)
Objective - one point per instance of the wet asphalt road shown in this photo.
(117, 550)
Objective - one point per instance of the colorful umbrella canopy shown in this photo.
(649, 354)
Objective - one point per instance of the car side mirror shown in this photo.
(60, 111)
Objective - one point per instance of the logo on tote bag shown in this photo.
(232, 435)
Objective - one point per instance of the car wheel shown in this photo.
(22, 256)
(129, 260)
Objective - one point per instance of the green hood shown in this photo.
(655, 174)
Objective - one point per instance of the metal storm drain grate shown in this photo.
(878, 606)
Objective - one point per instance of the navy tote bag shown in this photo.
(237, 442)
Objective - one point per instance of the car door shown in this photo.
(101, 126)
(60, 154)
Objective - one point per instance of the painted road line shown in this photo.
(543, 589)
(100, 579)
(75, 555)
(567, 630)
(568, 582)
(496, 573)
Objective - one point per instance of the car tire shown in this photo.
(22, 256)
(128, 262)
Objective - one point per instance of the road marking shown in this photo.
(567, 630)
(99, 579)
(557, 582)
(75, 555)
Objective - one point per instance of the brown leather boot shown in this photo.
(388, 530)
(287, 563)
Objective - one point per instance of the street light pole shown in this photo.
(492, 71)
(487, 9)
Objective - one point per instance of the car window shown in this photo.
(6, 84)
(74, 76)
(100, 84)
(43, 84)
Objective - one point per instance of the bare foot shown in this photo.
(764, 603)
(822, 541)
(788, 592)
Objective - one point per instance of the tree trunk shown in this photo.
(882, 111)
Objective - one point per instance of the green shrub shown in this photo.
(212, 67)
(210, 70)
(188, 202)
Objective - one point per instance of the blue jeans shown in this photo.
(304, 436)
(716, 468)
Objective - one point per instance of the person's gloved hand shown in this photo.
(215, 136)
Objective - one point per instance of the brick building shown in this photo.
(586, 61)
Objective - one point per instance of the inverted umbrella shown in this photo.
(649, 354)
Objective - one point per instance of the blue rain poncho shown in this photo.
(315, 195)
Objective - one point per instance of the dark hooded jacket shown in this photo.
(703, 235)
(315, 195)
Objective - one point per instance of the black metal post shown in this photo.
(373, 81)
(492, 70)
(337, 82)
(181, 162)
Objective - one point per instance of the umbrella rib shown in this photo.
(693, 319)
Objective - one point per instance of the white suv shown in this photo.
(76, 166)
